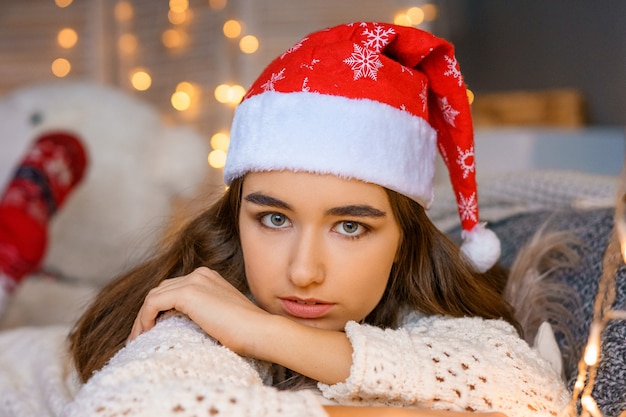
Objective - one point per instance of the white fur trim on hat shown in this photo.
(481, 246)
(351, 138)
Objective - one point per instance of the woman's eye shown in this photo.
(350, 228)
(275, 220)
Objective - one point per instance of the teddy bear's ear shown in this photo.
(178, 160)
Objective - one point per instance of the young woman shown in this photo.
(317, 285)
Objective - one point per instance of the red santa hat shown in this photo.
(370, 101)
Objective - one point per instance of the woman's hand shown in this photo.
(210, 301)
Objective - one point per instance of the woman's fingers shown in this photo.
(181, 294)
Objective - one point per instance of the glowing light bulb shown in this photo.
(416, 15)
(402, 19)
(172, 38)
(220, 141)
(62, 3)
(236, 93)
(592, 351)
(470, 95)
(249, 44)
(430, 12)
(180, 100)
(217, 4)
(123, 11)
(221, 93)
(127, 43)
(217, 158)
(177, 18)
(179, 6)
(187, 87)
(140, 80)
(67, 38)
(61, 67)
(232, 29)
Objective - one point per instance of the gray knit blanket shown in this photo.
(593, 228)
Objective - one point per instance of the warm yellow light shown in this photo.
(232, 29)
(127, 43)
(62, 3)
(470, 95)
(217, 158)
(221, 93)
(416, 15)
(229, 94)
(177, 18)
(180, 100)
(179, 6)
(220, 141)
(249, 44)
(61, 67)
(187, 87)
(140, 80)
(123, 11)
(217, 4)
(430, 12)
(402, 19)
(592, 351)
(172, 38)
(590, 405)
(236, 93)
(67, 38)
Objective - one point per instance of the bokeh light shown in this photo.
(177, 18)
(217, 158)
(123, 11)
(402, 19)
(220, 141)
(173, 38)
(62, 3)
(249, 44)
(229, 94)
(67, 38)
(430, 12)
(416, 15)
(140, 80)
(61, 67)
(127, 43)
(180, 100)
(232, 29)
(217, 4)
(179, 6)
(470, 95)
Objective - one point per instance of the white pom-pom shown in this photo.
(481, 246)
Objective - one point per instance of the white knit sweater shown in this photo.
(177, 370)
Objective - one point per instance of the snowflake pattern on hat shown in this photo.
(395, 68)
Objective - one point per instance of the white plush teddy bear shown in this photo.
(134, 167)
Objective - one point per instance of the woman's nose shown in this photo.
(306, 265)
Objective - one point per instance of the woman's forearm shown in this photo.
(323, 355)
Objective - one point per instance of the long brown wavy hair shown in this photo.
(429, 275)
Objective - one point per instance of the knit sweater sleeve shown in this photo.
(460, 364)
(175, 369)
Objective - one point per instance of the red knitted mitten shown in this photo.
(51, 169)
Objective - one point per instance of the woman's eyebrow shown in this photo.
(266, 200)
(359, 210)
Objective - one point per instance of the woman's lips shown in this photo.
(305, 309)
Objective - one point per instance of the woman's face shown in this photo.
(317, 249)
